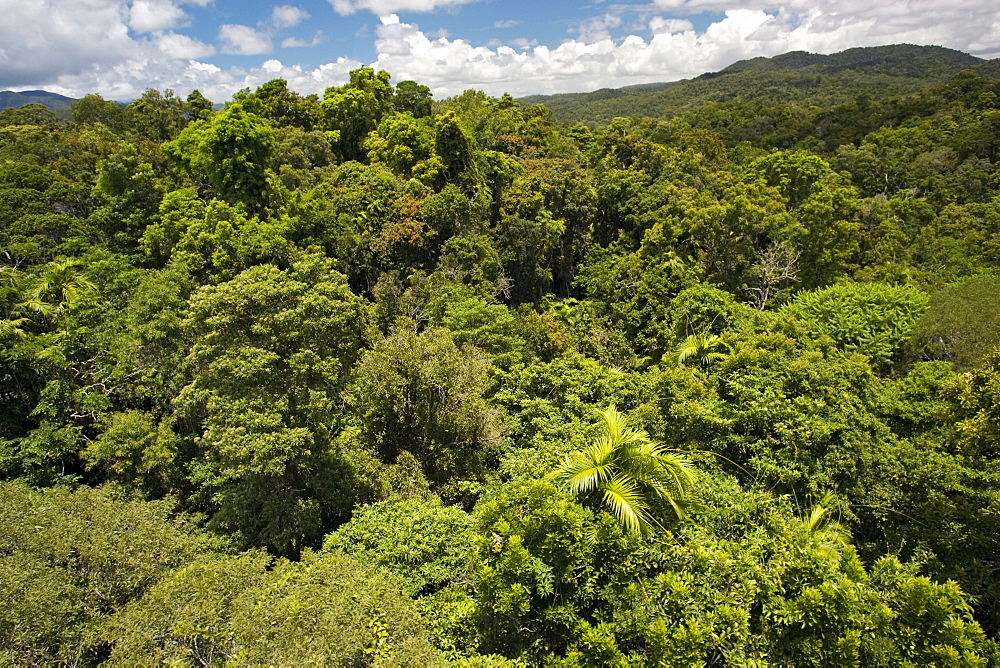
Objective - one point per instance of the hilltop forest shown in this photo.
(374, 379)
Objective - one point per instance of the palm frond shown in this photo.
(587, 469)
(818, 513)
(614, 424)
(687, 349)
(60, 285)
(704, 350)
(626, 503)
(36, 305)
(630, 471)
(13, 328)
(679, 468)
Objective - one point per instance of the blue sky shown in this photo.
(320, 33)
(118, 48)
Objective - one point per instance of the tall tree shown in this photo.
(351, 111)
(232, 150)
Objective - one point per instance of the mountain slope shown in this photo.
(53, 101)
(875, 72)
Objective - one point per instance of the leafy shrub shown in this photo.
(870, 318)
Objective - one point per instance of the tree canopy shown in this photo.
(377, 379)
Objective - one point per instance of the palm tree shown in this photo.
(58, 287)
(628, 473)
(32, 304)
(702, 350)
(828, 538)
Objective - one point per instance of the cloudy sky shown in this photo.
(119, 48)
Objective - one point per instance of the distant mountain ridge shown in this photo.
(900, 59)
(53, 101)
(882, 71)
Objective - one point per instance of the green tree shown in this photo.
(871, 318)
(422, 393)
(198, 106)
(156, 116)
(50, 395)
(232, 150)
(702, 350)
(217, 240)
(412, 97)
(95, 109)
(71, 559)
(421, 541)
(746, 581)
(405, 145)
(961, 324)
(353, 110)
(326, 609)
(130, 193)
(974, 407)
(330, 609)
(28, 114)
(630, 475)
(456, 149)
(270, 355)
(283, 108)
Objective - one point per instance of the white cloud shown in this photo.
(183, 47)
(450, 66)
(295, 42)
(154, 15)
(75, 47)
(675, 50)
(966, 25)
(299, 79)
(509, 23)
(287, 16)
(383, 7)
(596, 29)
(243, 40)
(39, 41)
(658, 25)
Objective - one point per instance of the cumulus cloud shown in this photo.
(243, 40)
(154, 15)
(596, 29)
(287, 16)
(384, 7)
(450, 66)
(967, 25)
(77, 47)
(658, 25)
(524, 42)
(40, 41)
(183, 47)
(295, 42)
(674, 49)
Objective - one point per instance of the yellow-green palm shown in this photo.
(628, 473)
(702, 350)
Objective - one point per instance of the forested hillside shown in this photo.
(796, 89)
(377, 380)
(53, 101)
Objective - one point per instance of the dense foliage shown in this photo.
(377, 380)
